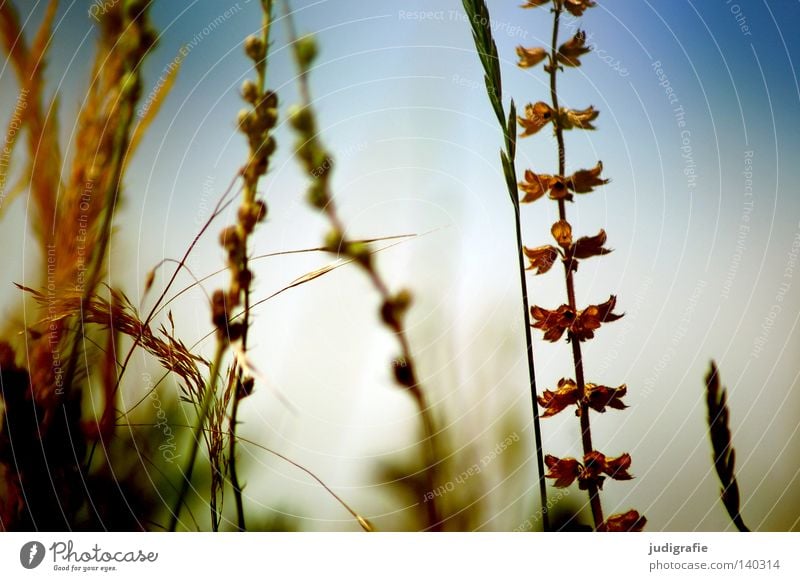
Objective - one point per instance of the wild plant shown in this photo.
(722, 446)
(51, 486)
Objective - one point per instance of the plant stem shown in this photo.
(237, 488)
(405, 367)
(577, 358)
(479, 18)
(537, 430)
(199, 431)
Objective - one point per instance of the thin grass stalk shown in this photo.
(480, 20)
(315, 159)
(207, 402)
(250, 189)
(362, 521)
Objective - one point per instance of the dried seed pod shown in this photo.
(245, 121)
(250, 92)
(270, 100)
(230, 239)
(306, 50)
(254, 48)
(245, 387)
(244, 277)
(219, 314)
(235, 331)
(403, 373)
(268, 145)
(318, 196)
(359, 252)
(301, 119)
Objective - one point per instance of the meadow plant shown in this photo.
(48, 480)
(722, 446)
(256, 123)
(578, 325)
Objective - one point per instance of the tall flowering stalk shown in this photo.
(317, 162)
(577, 324)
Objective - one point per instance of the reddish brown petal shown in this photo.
(536, 117)
(617, 468)
(630, 521)
(564, 470)
(556, 401)
(591, 318)
(553, 323)
(594, 463)
(570, 51)
(577, 119)
(585, 180)
(576, 7)
(598, 397)
(530, 57)
(588, 246)
(604, 310)
(558, 190)
(542, 258)
(534, 186)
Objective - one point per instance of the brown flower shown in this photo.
(588, 246)
(597, 397)
(553, 323)
(581, 325)
(595, 465)
(629, 522)
(542, 258)
(577, 119)
(576, 7)
(564, 470)
(536, 185)
(585, 180)
(530, 57)
(556, 401)
(569, 52)
(536, 117)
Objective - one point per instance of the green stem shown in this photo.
(205, 409)
(479, 17)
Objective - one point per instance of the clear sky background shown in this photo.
(701, 269)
